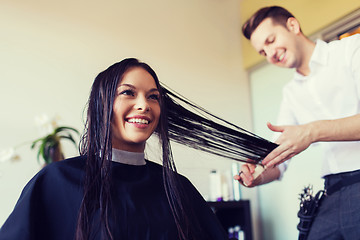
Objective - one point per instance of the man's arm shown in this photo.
(296, 138)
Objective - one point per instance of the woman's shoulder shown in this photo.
(154, 165)
(67, 169)
(73, 162)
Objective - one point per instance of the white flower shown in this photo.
(8, 155)
(45, 124)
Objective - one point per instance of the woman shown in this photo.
(91, 197)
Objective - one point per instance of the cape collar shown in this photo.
(130, 158)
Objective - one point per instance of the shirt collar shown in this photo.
(130, 158)
(319, 57)
(320, 54)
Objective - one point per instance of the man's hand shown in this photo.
(246, 176)
(293, 140)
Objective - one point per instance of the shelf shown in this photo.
(234, 213)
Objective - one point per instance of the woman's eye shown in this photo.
(154, 97)
(127, 92)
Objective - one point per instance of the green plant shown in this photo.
(50, 148)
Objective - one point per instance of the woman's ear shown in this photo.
(293, 25)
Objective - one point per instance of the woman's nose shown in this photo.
(142, 104)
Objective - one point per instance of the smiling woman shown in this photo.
(111, 191)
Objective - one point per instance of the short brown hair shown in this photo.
(278, 14)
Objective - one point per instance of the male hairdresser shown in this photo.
(320, 104)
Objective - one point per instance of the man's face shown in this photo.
(277, 43)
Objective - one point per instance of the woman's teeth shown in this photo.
(138, 120)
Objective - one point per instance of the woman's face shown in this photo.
(136, 110)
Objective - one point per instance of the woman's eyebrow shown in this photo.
(154, 90)
(126, 85)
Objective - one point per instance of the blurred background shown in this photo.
(51, 51)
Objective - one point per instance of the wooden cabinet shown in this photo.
(234, 213)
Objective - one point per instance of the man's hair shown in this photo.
(279, 15)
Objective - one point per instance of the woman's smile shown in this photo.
(139, 121)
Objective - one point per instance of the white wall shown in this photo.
(52, 50)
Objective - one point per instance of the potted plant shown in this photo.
(50, 145)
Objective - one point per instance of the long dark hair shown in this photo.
(96, 145)
(178, 123)
(195, 127)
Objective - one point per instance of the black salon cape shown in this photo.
(49, 204)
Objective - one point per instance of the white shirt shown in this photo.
(330, 91)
